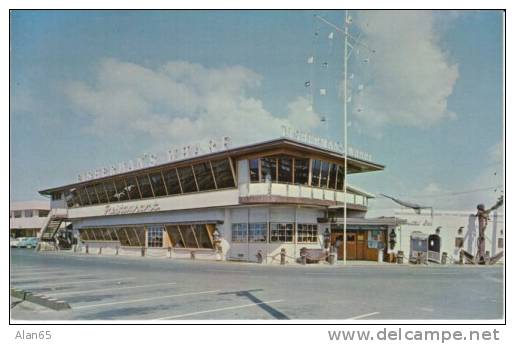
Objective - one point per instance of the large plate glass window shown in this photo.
(269, 169)
(144, 186)
(131, 189)
(281, 232)
(339, 178)
(239, 232)
(102, 196)
(324, 174)
(203, 236)
(176, 236)
(157, 184)
(285, 169)
(315, 173)
(92, 194)
(172, 182)
(187, 179)
(204, 176)
(254, 170)
(121, 190)
(84, 196)
(111, 191)
(155, 236)
(189, 236)
(301, 171)
(223, 174)
(257, 232)
(332, 176)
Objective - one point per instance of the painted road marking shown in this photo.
(36, 286)
(220, 270)
(36, 273)
(16, 280)
(145, 299)
(219, 309)
(108, 289)
(362, 316)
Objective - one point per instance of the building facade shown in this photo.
(258, 199)
(27, 218)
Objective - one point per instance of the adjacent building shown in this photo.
(27, 218)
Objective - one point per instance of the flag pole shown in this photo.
(345, 57)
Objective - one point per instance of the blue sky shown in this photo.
(92, 88)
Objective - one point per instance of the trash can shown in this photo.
(400, 257)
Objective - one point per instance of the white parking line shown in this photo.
(222, 270)
(109, 289)
(25, 279)
(36, 286)
(219, 309)
(144, 299)
(362, 316)
(27, 269)
(15, 274)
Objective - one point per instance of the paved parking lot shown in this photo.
(135, 288)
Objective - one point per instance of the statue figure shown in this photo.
(482, 219)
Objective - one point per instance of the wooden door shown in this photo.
(361, 245)
(352, 252)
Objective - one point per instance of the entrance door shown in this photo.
(361, 245)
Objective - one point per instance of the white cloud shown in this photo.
(410, 77)
(182, 102)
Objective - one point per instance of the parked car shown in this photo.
(14, 242)
(30, 242)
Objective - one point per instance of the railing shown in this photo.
(299, 191)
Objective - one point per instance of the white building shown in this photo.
(27, 218)
(456, 230)
(279, 194)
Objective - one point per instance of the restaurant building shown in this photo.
(27, 218)
(231, 204)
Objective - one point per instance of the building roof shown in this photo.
(27, 205)
(355, 165)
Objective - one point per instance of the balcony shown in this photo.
(302, 194)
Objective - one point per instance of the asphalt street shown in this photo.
(136, 288)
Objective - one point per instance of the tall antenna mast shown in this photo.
(349, 42)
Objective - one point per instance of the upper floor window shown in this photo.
(28, 213)
(56, 196)
(17, 213)
(43, 213)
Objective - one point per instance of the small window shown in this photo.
(43, 213)
(239, 232)
(28, 213)
(56, 196)
(281, 232)
(307, 232)
(155, 236)
(257, 232)
(17, 214)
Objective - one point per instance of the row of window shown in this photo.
(277, 232)
(180, 236)
(210, 175)
(28, 213)
(286, 169)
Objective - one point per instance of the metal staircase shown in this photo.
(49, 230)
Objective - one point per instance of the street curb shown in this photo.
(39, 299)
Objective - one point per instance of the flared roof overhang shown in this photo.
(354, 165)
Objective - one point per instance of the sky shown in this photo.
(93, 88)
